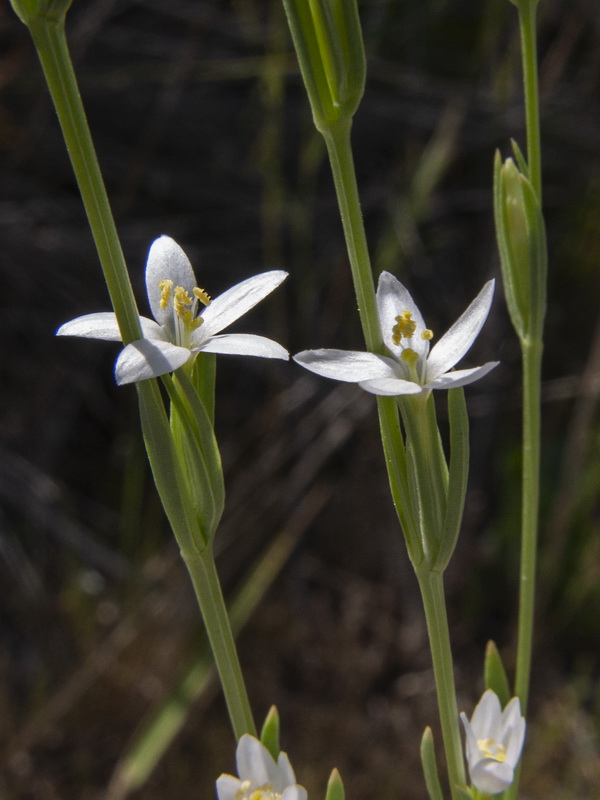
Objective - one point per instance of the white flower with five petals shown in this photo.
(494, 742)
(260, 776)
(186, 321)
(411, 367)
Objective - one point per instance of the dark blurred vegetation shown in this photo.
(203, 133)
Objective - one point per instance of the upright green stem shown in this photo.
(432, 592)
(527, 20)
(337, 139)
(532, 357)
(51, 44)
(203, 573)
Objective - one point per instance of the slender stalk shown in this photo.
(432, 592)
(203, 573)
(532, 357)
(51, 45)
(527, 20)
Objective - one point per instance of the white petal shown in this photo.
(286, 775)
(472, 747)
(148, 359)
(461, 377)
(254, 762)
(102, 325)
(166, 261)
(457, 341)
(227, 787)
(294, 793)
(491, 776)
(245, 344)
(348, 365)
(392, 299)
(390, 387)
(235, 302)
(487, 717)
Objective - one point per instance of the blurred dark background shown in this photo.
(203, 133)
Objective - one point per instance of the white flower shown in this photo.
(494, 742)
(187, 321)
(260, 777)
(412, 368)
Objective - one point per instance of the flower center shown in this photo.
(185, 308)
(262, 793)
(492, 749)
(405, 328)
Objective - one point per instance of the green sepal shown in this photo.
(328, 42)
(430, 771)
(335, 787)
(203, 379)
(269, 734)
(198, 453)
(166, 468)
(520, 158)
(494, 674)
(458, 474)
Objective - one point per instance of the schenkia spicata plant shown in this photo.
(260, 776)
(411, 367)
(494, 740)
(186, 321)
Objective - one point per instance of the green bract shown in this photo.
(329, 45)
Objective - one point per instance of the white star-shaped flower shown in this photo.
(186, 321)
(411, 367)
(260, 776)
(494, 742)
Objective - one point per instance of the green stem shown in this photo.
(339, 148)
(432, 592)
(527, 19)
(532, 358)
(203, 573)
(51, 44)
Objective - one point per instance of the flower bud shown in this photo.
(29, 11)
(328, 41)
(522, 245)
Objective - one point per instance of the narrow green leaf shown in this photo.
(430, 771)
(494, 674)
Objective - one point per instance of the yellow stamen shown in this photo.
(427, 334)
(404, 327)
(492, 749)
(165, 292)
(201, 295)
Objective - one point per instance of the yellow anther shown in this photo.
(165, 292)
(404, 327)
(492, 749)
(409, 356)
(181, 299)
(201, 295)
(427, 334)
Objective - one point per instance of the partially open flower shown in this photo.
(185, 322)
(494, 742)
(260, 776)
(411, 368)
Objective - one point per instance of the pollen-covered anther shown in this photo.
(492, 749)
(165, 292)
(409, 356)
(404, 327)
(182, 301)
(202, 296)
(427, 334)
